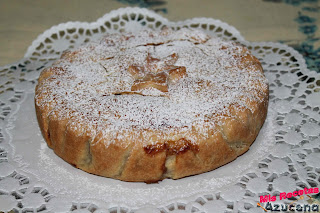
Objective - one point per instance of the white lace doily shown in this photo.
(284, 158)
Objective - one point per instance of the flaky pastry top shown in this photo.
(169, 82)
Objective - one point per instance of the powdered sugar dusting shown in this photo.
(95, 85)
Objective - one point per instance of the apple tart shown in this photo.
(152, 105)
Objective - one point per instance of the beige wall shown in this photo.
(22, 21)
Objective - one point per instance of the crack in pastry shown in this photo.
(156, 73)
(157, 81)
(172, 147)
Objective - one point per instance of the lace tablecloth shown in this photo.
(284, 158)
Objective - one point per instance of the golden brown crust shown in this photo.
(153, 163)
(156, 159)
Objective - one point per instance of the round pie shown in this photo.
(152, 105)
